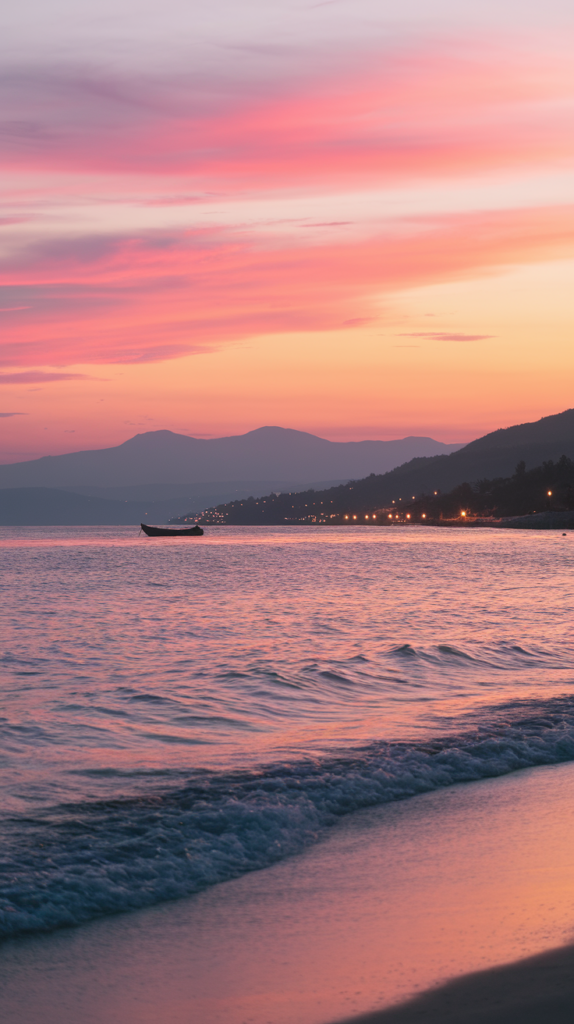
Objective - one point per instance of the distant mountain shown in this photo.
(494, 455)
(163, 459)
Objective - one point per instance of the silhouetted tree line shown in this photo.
(521, 494)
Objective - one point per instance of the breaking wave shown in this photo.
(81, 861)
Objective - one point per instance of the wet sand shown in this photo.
(393, 902)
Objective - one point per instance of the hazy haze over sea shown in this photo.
(179, 712)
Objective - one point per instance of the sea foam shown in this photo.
(78, 862)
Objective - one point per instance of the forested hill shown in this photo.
(549, 487)
(546, 488)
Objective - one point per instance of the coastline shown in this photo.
(536, 989)
(534, 521)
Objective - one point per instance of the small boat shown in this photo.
(160, 531)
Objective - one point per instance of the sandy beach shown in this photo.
(392, 903)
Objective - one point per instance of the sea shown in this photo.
(175, 713)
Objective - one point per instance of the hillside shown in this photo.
(492, 456)
(546, 488)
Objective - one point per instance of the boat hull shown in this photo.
(159, 531)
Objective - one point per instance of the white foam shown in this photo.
(83, 861)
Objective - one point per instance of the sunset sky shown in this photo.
(350, 217)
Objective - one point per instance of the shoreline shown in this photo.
(530, 991)
(390, 902)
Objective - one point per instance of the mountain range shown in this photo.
(160, 457)
(159, 474)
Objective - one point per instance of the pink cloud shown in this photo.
(163, 295)
(439, 109)
(442, 108)
(38, 377)
(446, 336)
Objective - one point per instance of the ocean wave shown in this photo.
(81, 861)
(495, 655)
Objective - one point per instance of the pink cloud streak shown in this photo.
(441, 109)
(38, 377)
(130, 300)
(446, 336)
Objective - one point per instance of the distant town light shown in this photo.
(366, 517)
(436, 492)
(549, 494)
(408, 515)
(390, 515)
(354, 517)
(424, 515)
(346, 517)
(463, 513)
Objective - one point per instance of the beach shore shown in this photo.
(391, 903)
(537, 990)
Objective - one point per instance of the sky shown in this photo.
(349, 217)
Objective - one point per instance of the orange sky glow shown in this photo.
(316, 218)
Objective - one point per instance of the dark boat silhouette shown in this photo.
(160, 531)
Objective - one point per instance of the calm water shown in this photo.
(177, 712)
